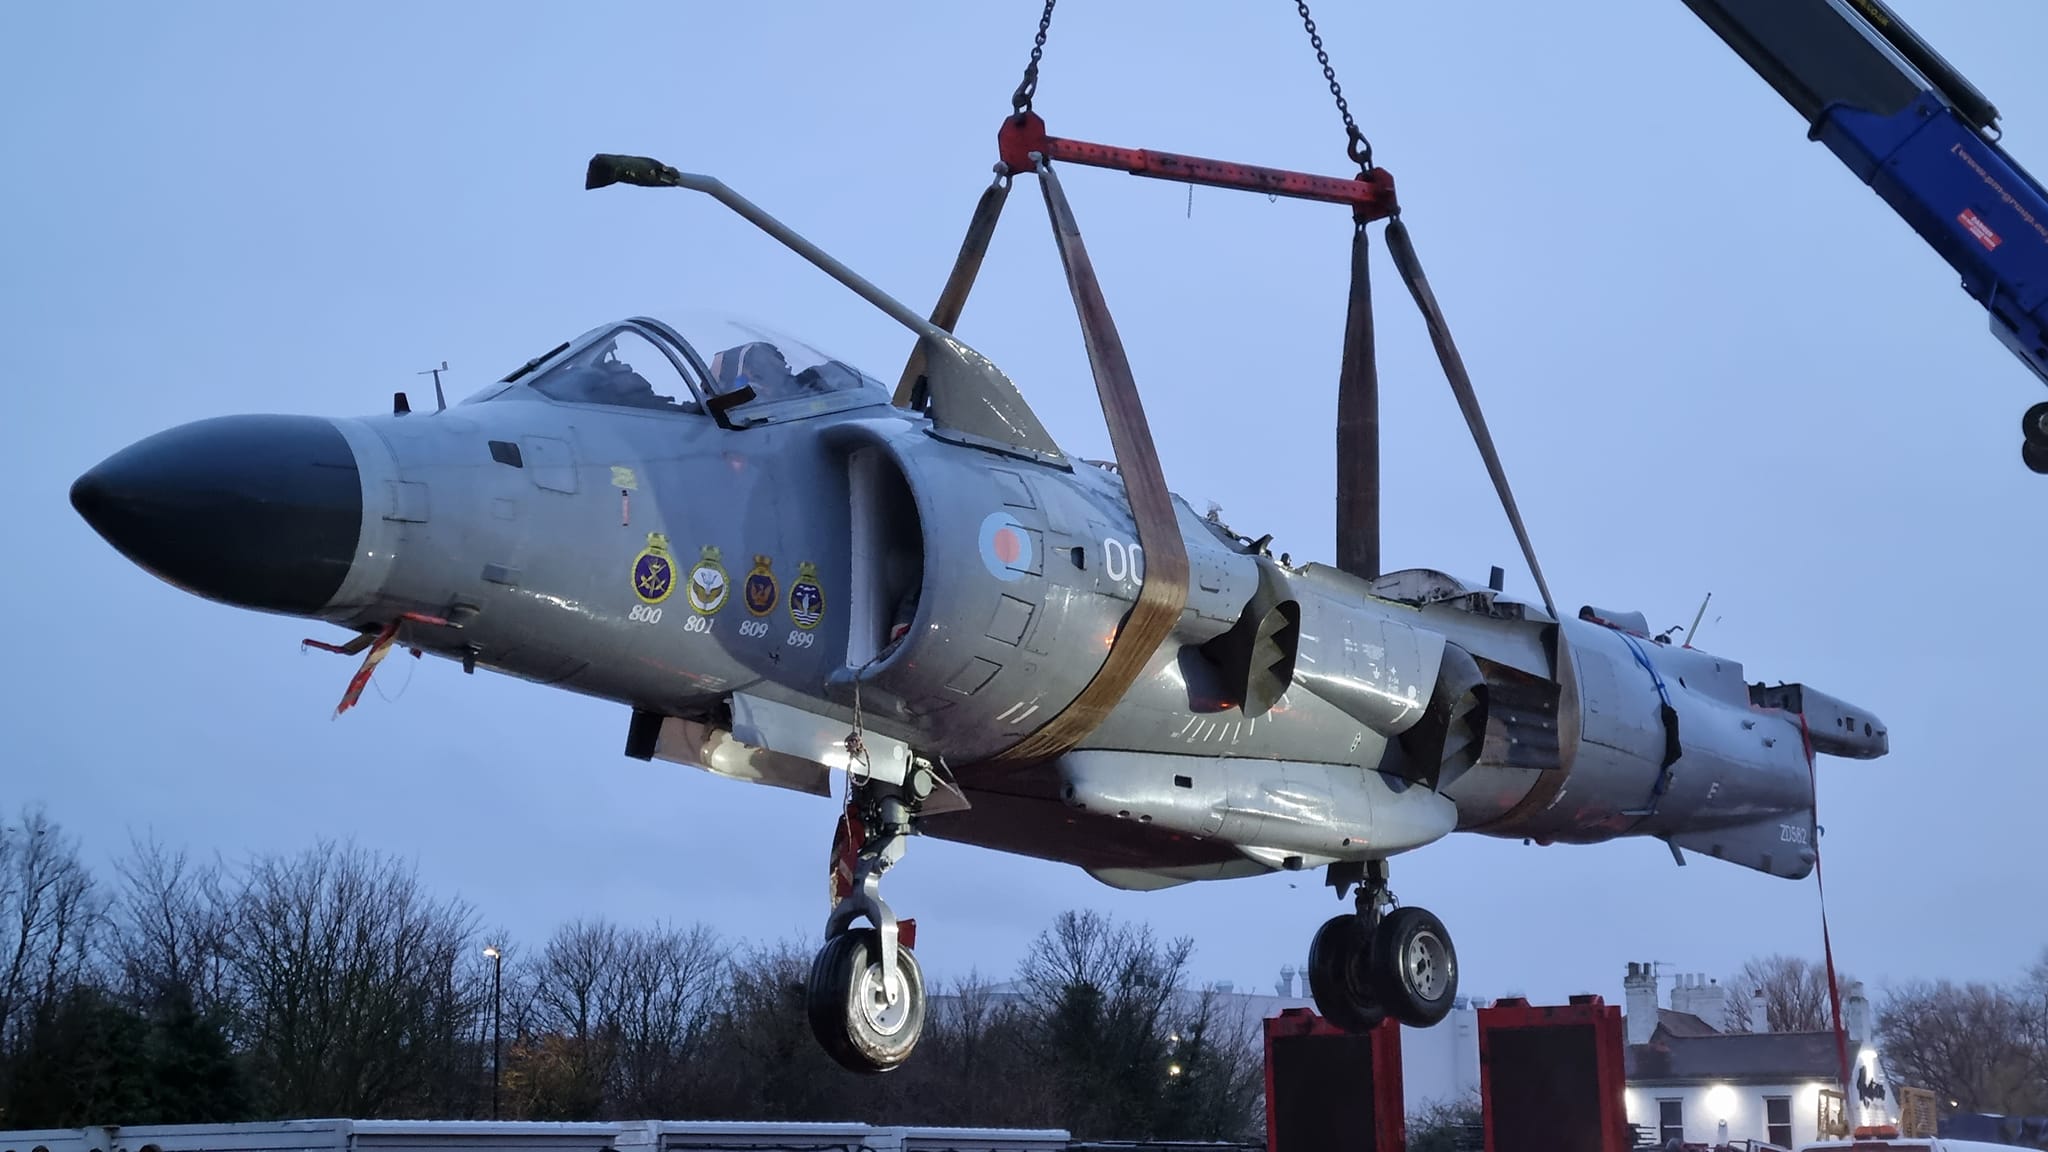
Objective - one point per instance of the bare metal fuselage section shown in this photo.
(749, 587)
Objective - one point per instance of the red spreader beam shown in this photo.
(1370, 194)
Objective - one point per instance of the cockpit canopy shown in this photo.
(751, 375)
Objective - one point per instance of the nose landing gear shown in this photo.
(1382, 960)
(865, 997)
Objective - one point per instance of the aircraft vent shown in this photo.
(1452, 733)
(1257, 655)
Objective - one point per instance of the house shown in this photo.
(1693, 1079)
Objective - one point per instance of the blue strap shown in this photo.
(1672, 750)
(1643, 659)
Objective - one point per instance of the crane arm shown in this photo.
(1919, 134)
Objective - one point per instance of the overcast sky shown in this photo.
(1714, 362)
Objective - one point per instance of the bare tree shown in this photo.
(1447, 1126)
(1101, 992)
(171, 920)
(1216, 1074)
(565, 1045)
(1795, 992)
(769, 1065)
(49, 911)
(974, 1066)
(666, 986)
(1969, 1043)
(349, 978)
(959, 1020)
(2031, 996)
(1135, 975)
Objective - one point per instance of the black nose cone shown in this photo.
(258, 511)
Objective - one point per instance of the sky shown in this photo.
(1713, 362)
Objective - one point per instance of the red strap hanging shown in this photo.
(1826, 944)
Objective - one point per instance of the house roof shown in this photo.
(1757, 1058)
(1675, 1023)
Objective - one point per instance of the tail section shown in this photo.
(1836, 728)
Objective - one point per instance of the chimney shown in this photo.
(1701, 997)
(1759, 1012)
(1286, 985)
(1856, 1015)
(1684, 991)
(1639, 1002)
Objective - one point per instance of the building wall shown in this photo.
(1741, 1105)
(1440, 1065)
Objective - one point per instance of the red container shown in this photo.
(1328, 1090)
(1551, 1079)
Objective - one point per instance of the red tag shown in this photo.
(1979, 229)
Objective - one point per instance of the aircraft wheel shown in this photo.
(2034, 425)
(1414, 967)
(1337, 975)
(2035, 453)
(851, 1014)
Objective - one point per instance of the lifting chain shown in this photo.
(1358, 148)
(1021, 99)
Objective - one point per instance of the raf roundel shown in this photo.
(1005, 547)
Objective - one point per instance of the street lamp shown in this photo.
(497, 1013)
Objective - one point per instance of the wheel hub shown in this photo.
(882, 1002)
(1426, 965)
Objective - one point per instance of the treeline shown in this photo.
(330, 983)
(1978, 1046)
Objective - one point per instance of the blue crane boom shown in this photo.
(1925, 140)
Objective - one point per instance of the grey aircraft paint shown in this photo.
(650, 556)
(783, 574)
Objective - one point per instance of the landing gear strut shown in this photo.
(1382, 960)
(865, 996)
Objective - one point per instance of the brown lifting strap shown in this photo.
(953, 299)
(1163, 589)
(1358, 425)
(1403, 252)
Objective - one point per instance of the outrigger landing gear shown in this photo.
(865, 997)
(1382, 960)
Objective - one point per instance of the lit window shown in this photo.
(1778, 1120)
(1670, 1121)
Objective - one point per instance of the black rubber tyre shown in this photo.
(2035, 453)
(853, 1023)
(1337, 976)
(1414, 968)
(2034, 425)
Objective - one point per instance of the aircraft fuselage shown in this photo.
(744, 585)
